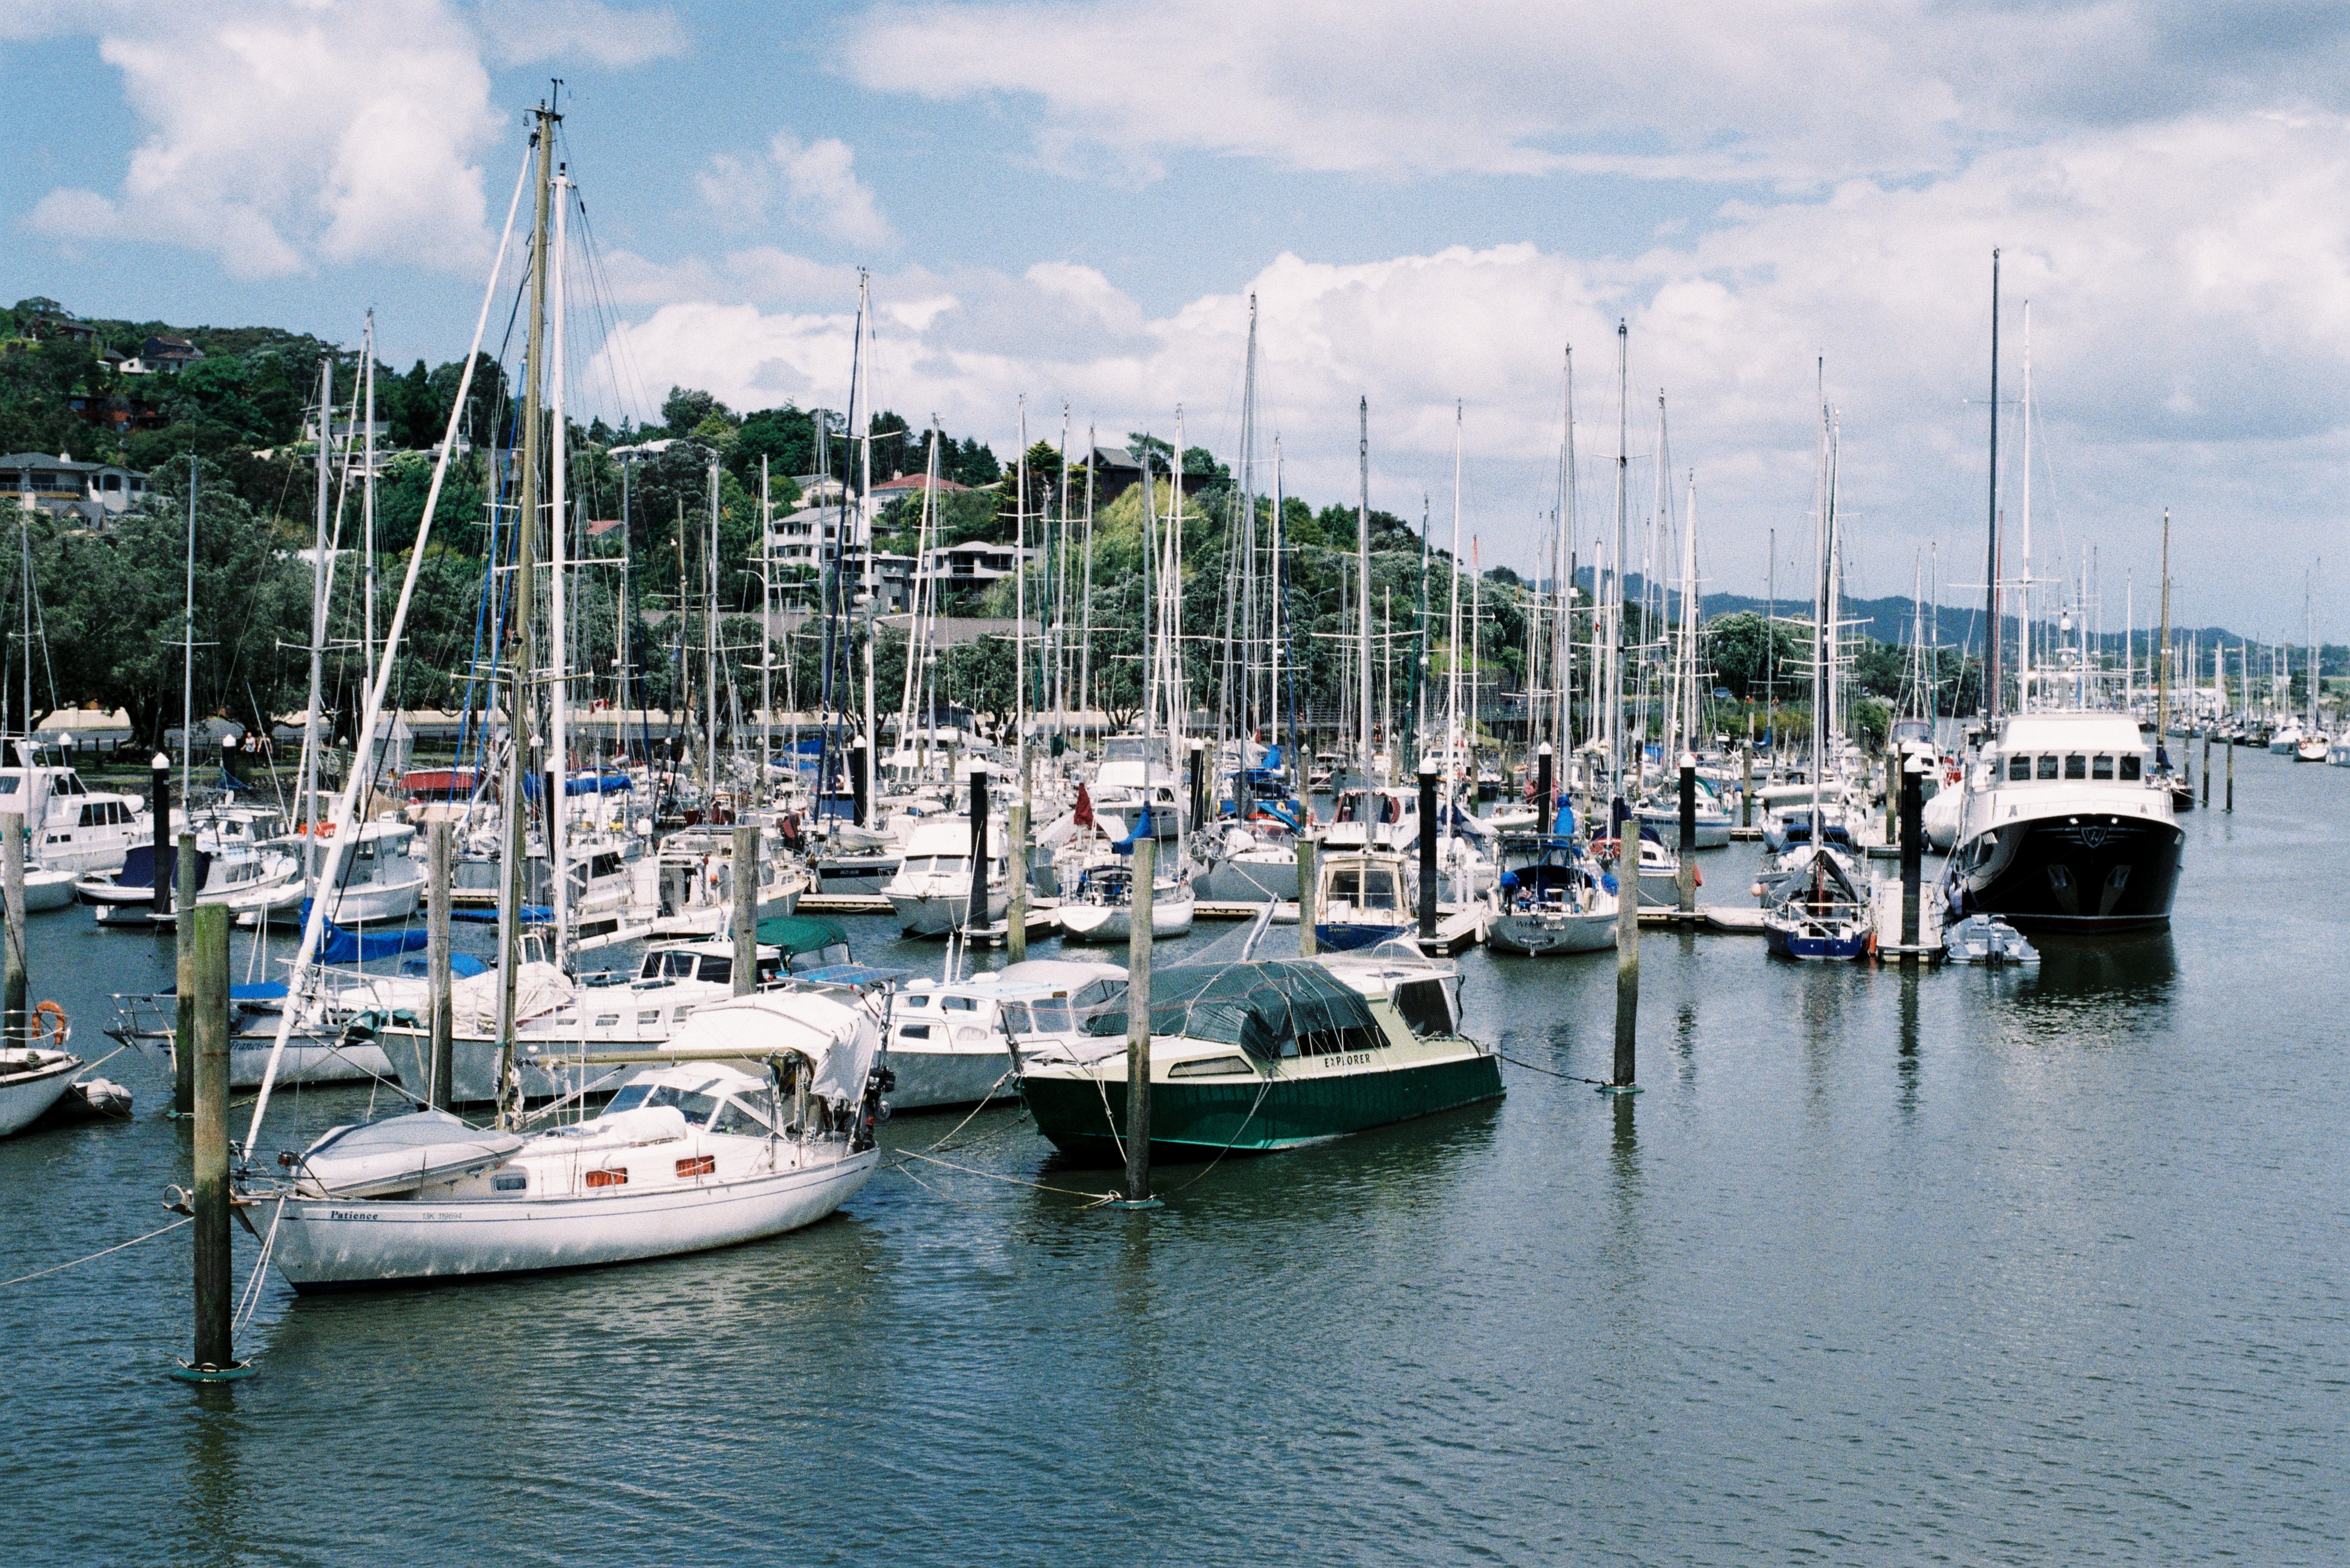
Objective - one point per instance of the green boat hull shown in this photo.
(1197, 1121)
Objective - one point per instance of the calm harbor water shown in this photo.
(1962, 1267)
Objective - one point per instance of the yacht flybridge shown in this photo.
(2066, 824)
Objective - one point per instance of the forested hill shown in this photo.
(1957, 626)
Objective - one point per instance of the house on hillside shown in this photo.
(1118, 469)
(976, 563)
(93, 491)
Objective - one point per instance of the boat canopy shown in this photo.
(1255, 1006)
(841, 1040)
(791, 935)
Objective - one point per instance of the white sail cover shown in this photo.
(841, 1040)
(538, 987)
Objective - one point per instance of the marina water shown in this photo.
(1882, 1267)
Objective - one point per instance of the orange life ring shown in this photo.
(51, 1009)
(324, 829)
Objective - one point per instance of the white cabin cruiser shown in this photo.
(931, 890)
(2067, 825)
(951, 1042)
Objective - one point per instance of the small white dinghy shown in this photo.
(686, 1156)
(1986, 940)
(30, 1082)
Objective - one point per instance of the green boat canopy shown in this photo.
(1255, 1006)
(796, 934)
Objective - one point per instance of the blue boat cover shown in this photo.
(340, 946)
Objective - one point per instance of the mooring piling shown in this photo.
(745, 869)
(1138, 1031)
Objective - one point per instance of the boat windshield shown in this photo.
(696, 1106)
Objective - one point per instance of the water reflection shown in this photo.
(1906, 1098)
(2137, 967)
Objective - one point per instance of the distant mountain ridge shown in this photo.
(1892, 620)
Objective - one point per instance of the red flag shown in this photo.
(1084, 814)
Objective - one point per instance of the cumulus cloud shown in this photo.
(280, 132)
(816, 181)
(2191, 285)
(1783, 90)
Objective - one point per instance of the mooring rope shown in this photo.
(94, 1256)
(1551, 1072)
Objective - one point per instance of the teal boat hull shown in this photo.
(1202, 1120)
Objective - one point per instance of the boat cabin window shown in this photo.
(1424, 1007)
(1015, 1017)
(7, 787)
(1332, 1041)
(2048, 766)
(1094, 992)
(696, 1106)
(913, 1001)
(2102, 768)
(957, 1004)
(913, 1032)
(2076, 767)
(2130, 766)
(740, 1120)
(2019, 769)
(719, 971)
(670, 965)
(1053, 1017)
(1368, 888)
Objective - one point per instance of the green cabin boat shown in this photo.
(1257, 1056)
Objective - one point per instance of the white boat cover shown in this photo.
(841, 1040)
(400, 1154)
(538, 987)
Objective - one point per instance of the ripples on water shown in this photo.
(1967, 1267)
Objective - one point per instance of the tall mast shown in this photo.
(1452, 624)
(367, 509)
(869, 575)
(2023, 609)
(558, 703)
(310, 737)
(1085, 628)
(767, 633)
(1363, 571)
(1562, 578)
(522, 663)
(710, 649)
(2162, 663)
(1990, 571)
(187, 657)
(1616, 595)
(1019, 601)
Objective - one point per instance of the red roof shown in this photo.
(913, 482)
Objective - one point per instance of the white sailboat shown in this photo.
(694, 1153)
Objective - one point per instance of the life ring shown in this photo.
(51, 1009)
(324, 829)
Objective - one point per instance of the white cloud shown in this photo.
(528, 32)
(816, 181)
(1786, 90)
(281, 132)
(2192, 321)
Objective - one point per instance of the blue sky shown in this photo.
(1072, 202)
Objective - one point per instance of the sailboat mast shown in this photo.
(1085, 626)
(1615, 606)
(317, 623)
(2023, 585)
(1990, 570)
(1452, 625)
(1562, 578)
(523, 659)
(367, 506)
(869, 577)
(558, 706)
(187, 656)
(1363, 572)
(767, 633)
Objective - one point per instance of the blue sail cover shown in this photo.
(340, 946)
(606, 783)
